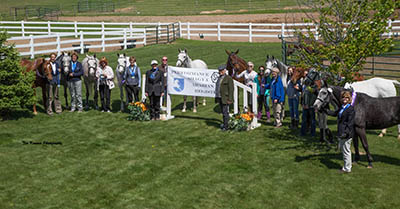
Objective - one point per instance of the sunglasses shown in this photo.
(164, 59)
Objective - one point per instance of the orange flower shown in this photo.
(246, 116)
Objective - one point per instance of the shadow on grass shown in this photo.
(22, 113)
(327, 159)
(209, 121)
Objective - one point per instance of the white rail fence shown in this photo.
(43, 44)
(251, 32)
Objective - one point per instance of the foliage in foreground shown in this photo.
(348, 32)
(15, 84)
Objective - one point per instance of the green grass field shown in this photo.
(148, 7)
(106, 161)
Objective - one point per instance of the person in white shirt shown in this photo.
(105, 77)
(249, 76)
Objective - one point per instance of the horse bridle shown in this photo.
(274, 64)
(183, 62)
(95, 63)
(119, 65)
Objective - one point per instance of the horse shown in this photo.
(64, 60)
(43, 75)
(90, 65)
(122, 63)
(386, 113)
(374, 87)
(235, 65)
(185, 61)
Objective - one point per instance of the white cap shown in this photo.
(154, 62)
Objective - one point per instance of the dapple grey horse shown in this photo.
(90, 65)
(122, 63)
(185, 61)
(64, 61)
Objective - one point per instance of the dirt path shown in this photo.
(255, 18)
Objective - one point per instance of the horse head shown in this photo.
(92, 63)
(325, 96)
(270, 63)
(235, 64)
(44, 69)
(66, 62)
(121, 63)
(182, 58)
(298, 73)
(311, 77)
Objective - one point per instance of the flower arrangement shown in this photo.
(240, 121)
(138, 111)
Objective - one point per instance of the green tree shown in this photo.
(15, 85)
(348, 31)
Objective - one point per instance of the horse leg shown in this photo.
(398, 128)
(204, 101)
(121, 96)
(364, 142)
(356, 150)
(87, 85)
(383, 132)
(194, 104)
(184, 104)
(66, 96)
(34, 104)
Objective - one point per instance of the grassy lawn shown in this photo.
(140, 7)
(106, 161)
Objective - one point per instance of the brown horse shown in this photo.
(43, 74)
(235, 65)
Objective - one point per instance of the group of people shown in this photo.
(155, 84)
(298, 93)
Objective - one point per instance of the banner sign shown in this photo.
(192, 81)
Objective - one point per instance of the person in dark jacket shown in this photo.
(132, 78)
(75, 83)
(308, 122)
(345, 126)
(277, 97)
(53, 87)
(224, 94)
(293, 92)
(154, 89)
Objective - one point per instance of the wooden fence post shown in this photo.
(82, 44)
(32, 51)
(188, 30)
(250, 33)
(23, 28)
(125, 47)
(48, 28)
(58, 44)
(76, 29)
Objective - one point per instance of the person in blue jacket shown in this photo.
(277, 97)
(75, 83)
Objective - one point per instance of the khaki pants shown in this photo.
(345, 145)
(52, 95)
(277, 109)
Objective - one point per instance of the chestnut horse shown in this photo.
(42, 70)
(235, 65)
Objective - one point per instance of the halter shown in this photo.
(184, 61)
(95, 63)
(274, 64)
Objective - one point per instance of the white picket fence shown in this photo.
(125, 31)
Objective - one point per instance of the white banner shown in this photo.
(192, 81)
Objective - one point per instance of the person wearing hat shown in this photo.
(105, 76)
(277, 97)
(345, 126)
(224, 94)
(154, 89)
(75, 83)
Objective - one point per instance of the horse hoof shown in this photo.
(381, 135)
(369, 166)
(195, 110)
(183, 110)
(35, 113)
